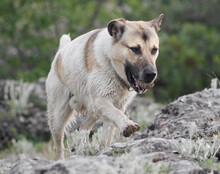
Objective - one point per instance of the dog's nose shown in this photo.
(149, 75)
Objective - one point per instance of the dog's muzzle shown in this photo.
(149, 74)
(140, 78)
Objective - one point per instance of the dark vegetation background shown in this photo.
(189, 49)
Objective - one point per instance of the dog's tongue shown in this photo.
(140, 90)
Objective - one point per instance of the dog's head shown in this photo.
(135, 50)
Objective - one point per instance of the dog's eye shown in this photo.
(154, 51)
(136, 50)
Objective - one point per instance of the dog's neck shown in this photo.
(123, 82)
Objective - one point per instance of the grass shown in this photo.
(85, 146)
(118, 152)
(203, 150)
(24, 147)
(215, 83)
(16, 95)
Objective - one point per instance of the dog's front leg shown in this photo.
(107, 109)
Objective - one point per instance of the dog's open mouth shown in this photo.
(136, 84)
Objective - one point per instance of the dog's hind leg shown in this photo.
(59, 113)
(89, 123)
(107, 134)
(111, 134)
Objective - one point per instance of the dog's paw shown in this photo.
(130, 129)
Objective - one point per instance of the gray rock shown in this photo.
(153, 151)
(174, 120)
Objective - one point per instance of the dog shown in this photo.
(99, 73)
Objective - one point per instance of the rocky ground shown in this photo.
(183, 138)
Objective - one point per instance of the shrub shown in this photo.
(187, 61)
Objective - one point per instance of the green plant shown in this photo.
(209, 163)
(185, 63)
(16, 95)
(144, 114)
(163, 169)
(148, 168)
(200, 149)
(118, 152)
(37, 102)
(79, 143)
(218, 167)
(23, 146)
(214, 83)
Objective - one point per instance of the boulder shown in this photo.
(153, 151)
(202, 108)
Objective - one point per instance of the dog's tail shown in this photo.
(64, 40)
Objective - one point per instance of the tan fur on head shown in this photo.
(135, 33)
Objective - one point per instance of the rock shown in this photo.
(146, 153)
(153, 151)
(202, 108)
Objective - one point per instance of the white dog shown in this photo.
(99, 73)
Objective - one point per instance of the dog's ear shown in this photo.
(116, 28)
(156, 22)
